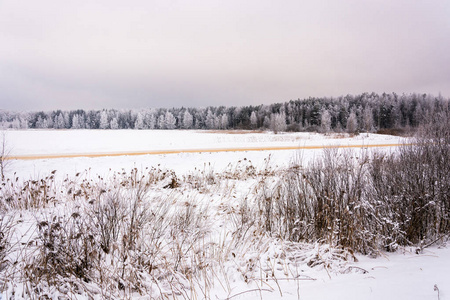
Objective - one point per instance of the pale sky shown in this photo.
(141, 53)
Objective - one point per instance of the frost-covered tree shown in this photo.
(161, 122)
(114, 123)
(66, 119)
(150, 120)
(267, 122)
(253, 120)
(41, 122)
(209, 121)
(170, 121)
(216, 122)
(325, 121)
(104, 124)
(224, 121)
(23, 123)
(76, 124)
(139, 124)
(188, 120)
(87, 122)
(59, 122)
(15, 123)
(352, 123)
(278, 122)
(367, 119)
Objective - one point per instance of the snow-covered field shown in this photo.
(91, 141)
(38, 142)
(259, 267)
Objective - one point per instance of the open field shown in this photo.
(177, 224)
(179, 151)
(73, 151)
(35, 142)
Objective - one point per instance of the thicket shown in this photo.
(366, 202)
(108, 239)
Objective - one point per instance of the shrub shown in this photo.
(365, 203)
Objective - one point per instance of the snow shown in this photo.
(35, 142)
(26, 142)
(400, 275)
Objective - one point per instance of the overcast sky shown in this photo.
(141, 53)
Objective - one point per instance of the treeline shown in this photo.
(364, 112)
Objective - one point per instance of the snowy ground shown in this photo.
(403, 275)
(35, 142)
(400, 275)
(88, 141)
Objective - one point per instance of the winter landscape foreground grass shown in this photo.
(150, 233)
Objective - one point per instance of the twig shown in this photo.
(249, 291)
(431, 243)
(293, 278)
(437, 289)
(326, 269)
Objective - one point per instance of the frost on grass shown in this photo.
(207, 234)
(142, 233)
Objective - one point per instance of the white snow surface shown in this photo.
(35, 142)
(94, 141)
(400, 275)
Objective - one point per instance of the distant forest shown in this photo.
(360, 113)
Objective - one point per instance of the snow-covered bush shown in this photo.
(364, 202)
